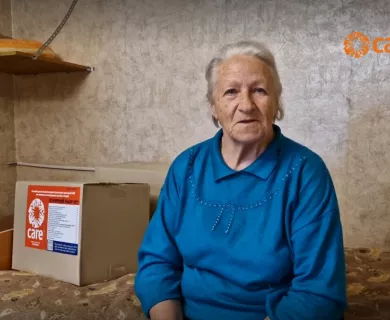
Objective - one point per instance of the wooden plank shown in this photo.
(19, 63)
(6, 241)
(6, 223)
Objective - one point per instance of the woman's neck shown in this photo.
(239, 156)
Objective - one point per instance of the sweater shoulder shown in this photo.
(297, 152)
(184, 160)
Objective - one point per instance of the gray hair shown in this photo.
(247, 48)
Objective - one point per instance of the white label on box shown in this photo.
(63, 223)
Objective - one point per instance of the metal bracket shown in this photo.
(56, 32)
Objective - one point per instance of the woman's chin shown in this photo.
(249, 136)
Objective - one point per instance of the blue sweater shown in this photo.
(263, 241)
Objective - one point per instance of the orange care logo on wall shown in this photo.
(357, 45)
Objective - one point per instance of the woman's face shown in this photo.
(244, 99)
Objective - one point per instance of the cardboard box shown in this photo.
(152, 173)
(81, 233)
(6, 235)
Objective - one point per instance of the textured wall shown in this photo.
(7, 137)
(145, 101)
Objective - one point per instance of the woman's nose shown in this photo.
(246, 102)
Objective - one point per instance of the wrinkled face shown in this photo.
(244, 99)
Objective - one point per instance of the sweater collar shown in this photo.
(262, 167)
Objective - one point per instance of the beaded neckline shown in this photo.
(223, 207)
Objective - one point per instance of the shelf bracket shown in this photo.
(56, 32)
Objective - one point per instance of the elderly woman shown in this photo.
(247, 225)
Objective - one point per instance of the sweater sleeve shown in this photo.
(159, 262)
(318, 288)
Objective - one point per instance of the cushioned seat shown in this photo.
(28, 296)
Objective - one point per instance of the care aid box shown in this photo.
(80, 233)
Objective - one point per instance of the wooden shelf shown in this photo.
(16, 62)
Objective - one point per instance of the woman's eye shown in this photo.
(230, 91)
(259, 90)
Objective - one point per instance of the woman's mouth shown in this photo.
(247, 121)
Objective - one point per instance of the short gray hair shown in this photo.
(248, 48)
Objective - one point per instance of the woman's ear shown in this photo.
(214, 115)
(276, 111)
(213, 111)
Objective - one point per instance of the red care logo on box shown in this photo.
(52, 218)
(36, 219)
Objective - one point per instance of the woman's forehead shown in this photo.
(244, 68)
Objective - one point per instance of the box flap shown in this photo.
(70, 183)
(51, 183)
(139, 165)
(113, 183)
(151, 173)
